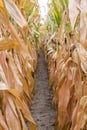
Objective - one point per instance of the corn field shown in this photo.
(63, 40)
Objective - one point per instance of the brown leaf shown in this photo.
(3, 125)
(64, 97)
(11, 115)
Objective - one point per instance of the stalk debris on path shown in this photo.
(42, 109)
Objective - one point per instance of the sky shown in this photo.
(43, 8)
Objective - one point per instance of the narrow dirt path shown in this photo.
(42, 109)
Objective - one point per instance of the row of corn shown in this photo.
(66, 55)
(18, 60)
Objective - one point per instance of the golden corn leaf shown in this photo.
(14, 33)
(3, 10)
(7, 44)
(1, 4)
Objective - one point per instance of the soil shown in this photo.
(42, 110)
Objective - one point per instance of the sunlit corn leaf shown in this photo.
(73, 12)
(83, 23)
(15, 13)
(82, 53)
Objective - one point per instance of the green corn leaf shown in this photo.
(66, 2)
(26, 5)
(57, 13)
(30, 11)
(62, 3)
(55, 6)
(68, 27)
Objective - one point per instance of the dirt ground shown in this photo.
(42, 110)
